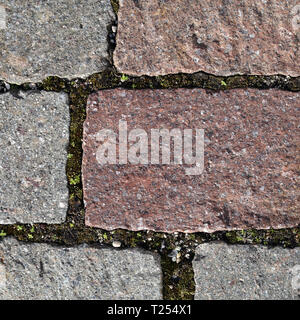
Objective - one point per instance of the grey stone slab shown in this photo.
(246, 272)
(65, 38)
(34, 135)
(42, 271)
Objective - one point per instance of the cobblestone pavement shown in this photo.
(91, 207)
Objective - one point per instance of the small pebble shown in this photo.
(116, 244)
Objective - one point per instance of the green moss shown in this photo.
(75, 180)
(104, 236)
(178, 280)
(3, 234)
(124, 78)
(283, 237)
(55, 84)
(115, 5)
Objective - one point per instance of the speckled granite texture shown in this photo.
(247, 272)
(250, 178)
(34, 135)
(158, 37)
(35, 271)
(64, 38)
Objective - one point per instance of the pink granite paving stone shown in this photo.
(250, 177)
(157, 37)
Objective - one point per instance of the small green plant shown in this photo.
(32, 229)
(19, 228)
(104, 236)
(124, 78)
(30, 236)
(2, 234)
(75, 180)
(223, 83)
(71, 225)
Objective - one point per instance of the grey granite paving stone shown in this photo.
(65, 38)
(42, 271)
(34, 135)
(246, 272)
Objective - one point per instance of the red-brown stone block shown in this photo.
(157, 37)
(251, 161)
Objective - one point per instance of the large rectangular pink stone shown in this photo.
(220, 37)
(251, 161)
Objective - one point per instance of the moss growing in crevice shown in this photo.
(115, 5)
(110, 78)
(77, 100)
(288, 238)
(55, 84)
(178, 279)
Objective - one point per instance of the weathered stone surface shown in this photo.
(34, 134)
(220, 37)
(234, 272)
(250, 177)
(42, 271)
(65, 38)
